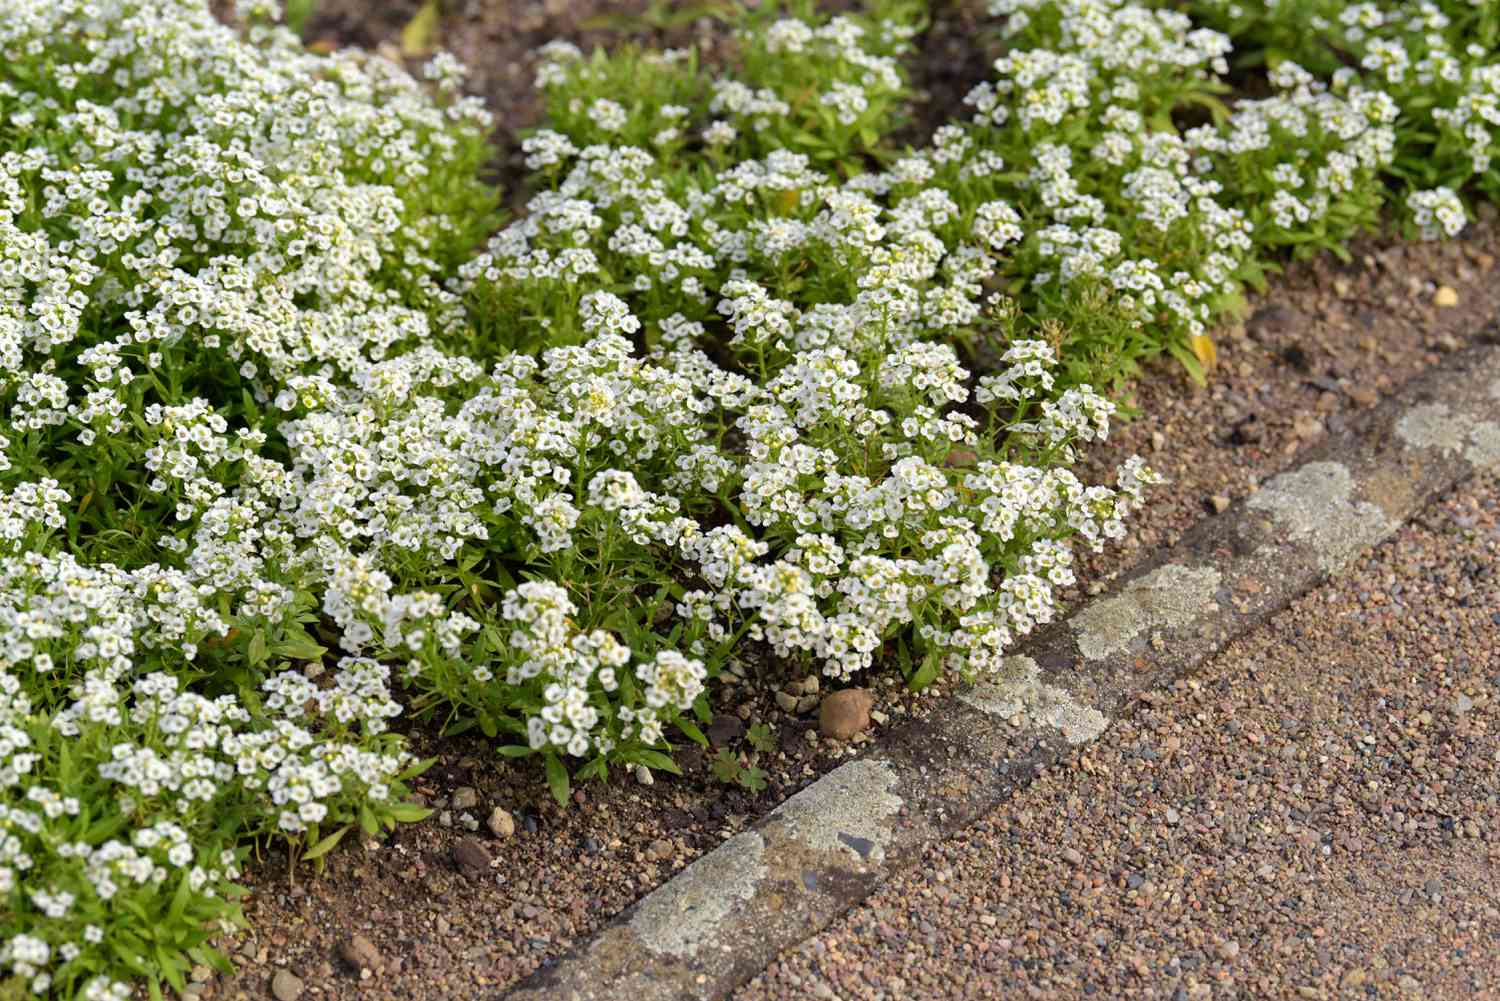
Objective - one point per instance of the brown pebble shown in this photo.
(471, 857)
(846, 713)
(960, 457)
(501, 824)
(1220, 503)
(360, 953)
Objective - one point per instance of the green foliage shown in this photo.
(729, 769)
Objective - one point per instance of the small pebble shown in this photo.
(285, 986)
(360, 953)
(471, 857)
(501, 824)
(1446, 297)
(724, 730)
(464, 798)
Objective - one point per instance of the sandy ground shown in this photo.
(1314, 815)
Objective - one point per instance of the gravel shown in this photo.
(1336, 819)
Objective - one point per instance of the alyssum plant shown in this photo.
(286, 439)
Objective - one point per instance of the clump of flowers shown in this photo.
(205, 235)
(297, 436)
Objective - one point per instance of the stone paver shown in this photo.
(1312, 815)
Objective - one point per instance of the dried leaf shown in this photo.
(1203, 347)
(416, 37)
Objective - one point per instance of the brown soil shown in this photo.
(1316, 351)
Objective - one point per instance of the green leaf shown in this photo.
(413, 770)
(459, 726)
(926, 674)
(514, 751)
(126, 955)
(487, 725)
(408, 813)
(655, 759)
(209, 956)
(726, 766)
(691, 731)
(169, 966)
(134, 907)
(761, 738)
(326, 845)
(179, 900)
(299, 646)
(367, 821)
(257, 652)
(1189, 362)
(557, 778)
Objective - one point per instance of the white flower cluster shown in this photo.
(264, 390)
(1433, 61)
(199, 228)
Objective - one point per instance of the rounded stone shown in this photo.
(845, 713)
(285, 986)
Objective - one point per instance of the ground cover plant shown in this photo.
(301, 435)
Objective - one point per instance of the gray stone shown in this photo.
(855, 800)
(1315, 505)
(1168, 597)
(682, 915)
(1018, 694)
(285, 986)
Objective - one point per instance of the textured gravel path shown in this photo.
(1313, 816)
